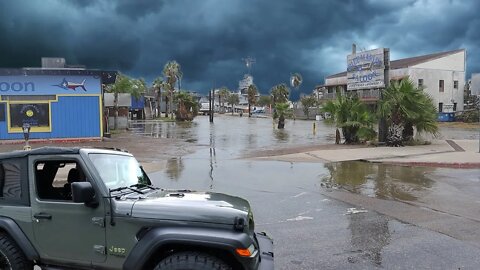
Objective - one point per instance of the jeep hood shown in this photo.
(191, 206)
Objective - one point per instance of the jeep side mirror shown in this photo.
(83, 192)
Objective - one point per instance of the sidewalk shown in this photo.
(441, 153)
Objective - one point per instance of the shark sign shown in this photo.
(71, 85)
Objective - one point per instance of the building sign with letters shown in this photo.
(366, 70)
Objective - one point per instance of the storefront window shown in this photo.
(37, 115)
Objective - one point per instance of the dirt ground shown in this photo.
(152, 153)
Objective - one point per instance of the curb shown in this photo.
(63, 140)
(466, 165)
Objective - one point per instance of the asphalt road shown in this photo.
(312, 228)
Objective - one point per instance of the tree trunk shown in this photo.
(249, 113)
(233, 108)
(350, 135)
(407, 133)
(219, 103)
(171, 105)
(395, 135)
(159, 100)
(115, 109)
(166, 106)
(281, 122)
(337, 136)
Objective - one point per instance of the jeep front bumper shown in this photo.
(265, 246)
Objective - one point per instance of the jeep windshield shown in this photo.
(119, 171)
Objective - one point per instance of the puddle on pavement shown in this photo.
(379, 180)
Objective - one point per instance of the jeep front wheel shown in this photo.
(11, 257)
(192, 261)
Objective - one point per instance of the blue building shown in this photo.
(56, 103)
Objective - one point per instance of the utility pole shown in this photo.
(382, 123)
(210, 105)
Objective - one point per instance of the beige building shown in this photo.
(442, 76)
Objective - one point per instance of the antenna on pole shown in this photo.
(249, 61)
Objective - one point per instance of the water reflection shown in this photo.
(369, 235)
(160, 129)
(281, 135)
(213, 155)
(379, 180)
(174, 168)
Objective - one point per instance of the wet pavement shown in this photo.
(308, 207)
(342, 215)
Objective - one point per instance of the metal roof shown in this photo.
(108, 77)
(408, 62)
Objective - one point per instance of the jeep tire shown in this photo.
(11, 257)
(192, 261)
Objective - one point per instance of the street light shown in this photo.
(26, 135)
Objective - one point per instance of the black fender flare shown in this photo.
(206, 237)
(12, 228)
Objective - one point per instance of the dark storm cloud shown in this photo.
(138, 8)
(209, 38)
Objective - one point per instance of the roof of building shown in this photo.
(108, 77)
(408, 62)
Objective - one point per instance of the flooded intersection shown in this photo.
(305, 206)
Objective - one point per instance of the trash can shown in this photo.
(446, 117)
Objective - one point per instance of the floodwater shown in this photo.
(234, 136)
(216, 164)
(311, 230)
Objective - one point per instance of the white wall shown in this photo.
(124, 100)
(454, 62)
(475, 86)
(431, 79)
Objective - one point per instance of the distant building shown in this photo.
(57, 101)
(475, 84)
(442, 76)
(244, 83)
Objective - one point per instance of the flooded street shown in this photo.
(345, 215)
(233, 136)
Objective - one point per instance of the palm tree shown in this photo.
(280, 93)
(405, 106)
(233, 99)
(123, 84)
(187, 106)
(352, 116)
(172, 74)
(222, 94)
(281, 109)
(252, 97)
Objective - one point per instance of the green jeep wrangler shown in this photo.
(79, 208)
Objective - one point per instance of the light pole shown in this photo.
(26, 135)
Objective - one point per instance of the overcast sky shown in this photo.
(209, 38)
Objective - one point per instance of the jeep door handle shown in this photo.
(42, 216)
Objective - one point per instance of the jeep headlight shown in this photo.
(246, 252)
